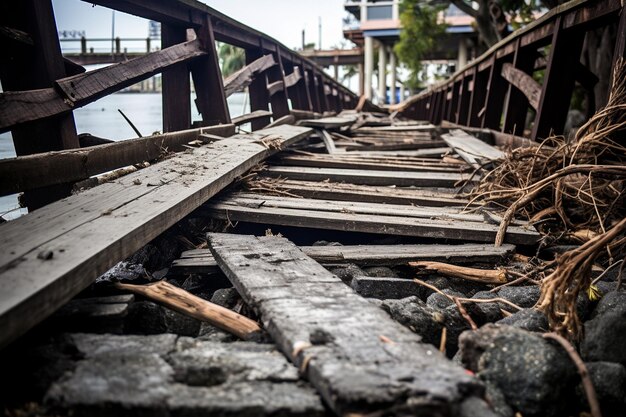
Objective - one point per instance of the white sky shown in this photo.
(280, 19)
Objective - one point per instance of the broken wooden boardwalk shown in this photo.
(357, 357)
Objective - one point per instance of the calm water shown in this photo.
(102, 119)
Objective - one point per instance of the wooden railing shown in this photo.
(497, 90)
(42, 89)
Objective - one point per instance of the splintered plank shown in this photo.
(473, 151)
(201, 261)
(368, 223)
(50, 255)
(366, 193)
(369, 177)
(357, 357)
(380, 163)
(421, 153)
(329, 122)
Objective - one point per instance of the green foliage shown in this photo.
(520, 12)
(232, 59)
(421, 31)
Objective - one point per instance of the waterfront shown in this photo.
(102, 119)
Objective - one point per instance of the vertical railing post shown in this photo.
(175, 84)
(259, 97)
(303, 86)
(280, 99)
(37, 69)
(496, 91)
(464, 98)
(516, 106)
(207, 80)
(477, 99)
(315, 99)
(558, 82)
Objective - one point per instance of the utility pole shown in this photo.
(303, 42)
(113, 33)
(319, 32)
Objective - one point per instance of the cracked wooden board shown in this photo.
(358, 358)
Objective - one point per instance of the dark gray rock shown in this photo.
(606, 287)
(181, 324)
(455, 325)
(524, 297)
(91, 345)
(609, 382)
(385, 288)
(605, 334)
(440, 302)
(417, 316)
(380, 271)
(483, 313)
(496, 398)
(226, 297)
(120, 384)
(347, 272)
(535, 377)
(211, 333)
(123, 271)
(609, 302)
(325, 243)
(474, 407)
(527, 319)
(145, 317)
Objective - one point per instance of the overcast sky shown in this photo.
(280, 19)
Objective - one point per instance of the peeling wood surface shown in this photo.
(357, 357)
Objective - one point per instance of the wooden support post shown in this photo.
(207, 79)
(36, 68)
(293, 92)
(558, 82)
(477, 100)
(319, 82)
(516, 105)
(496, 91)
(620, 42)
(454, 103)
(303, 86)
(259, 97)
(175, 84)
(312, 87)
(464, 100)
(279, 100)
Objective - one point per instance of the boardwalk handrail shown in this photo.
(42, 89)
(496, 89)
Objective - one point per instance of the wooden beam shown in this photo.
(244, 77)
(339, 340)
(207, 80)
(246, 118)
(51, 168)
(49, 256)
(367, 223)
(526, 92)
(175, 84)
(473, 151)
(369, 177)
(259, 97)
(201, 261)
(524, 83)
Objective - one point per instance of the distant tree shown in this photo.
(232, 59)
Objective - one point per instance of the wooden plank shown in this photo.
(248, 117)
(201, 261)
(412, 145)
(50, 255)
(257, 89)
(244, 77)
(524, 83)
(328, 122)
(421, 153)
(275, 87)
(17, 107)
(366, 361)
(369, 177)
(50, 168)
(380, 163)
(244, 199)
(293, 78)
(473, 151)
(366, 223)
(366, 193)
(329, 143)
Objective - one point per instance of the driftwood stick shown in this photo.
(186, 303)
(484, 276)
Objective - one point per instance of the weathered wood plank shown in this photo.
(369, 177)
(201, 261)
(353, 353)
(244, 77)
(382, 164)
(421, 153)
(293, 78)
(329, 143)
(367, 223)
(245, 118)
(50, 255)
(328, 122)
(523, 82)
(473, 151)
(39, 170)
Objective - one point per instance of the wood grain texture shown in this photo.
(39, 170)
(85, 234)
(201, 261)
(188, 304)
(523, 82)
(357, 357)
(473, 151)
(244, 77)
